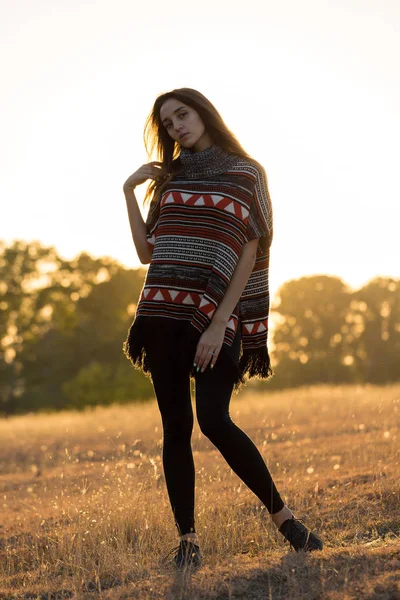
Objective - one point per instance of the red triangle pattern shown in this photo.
(208, 309)
(208, 201)
(257, 327)
(163, 294)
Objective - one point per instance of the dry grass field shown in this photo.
(85, 511)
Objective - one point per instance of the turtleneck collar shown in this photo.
(210, 161)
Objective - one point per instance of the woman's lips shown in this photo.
(182, 136)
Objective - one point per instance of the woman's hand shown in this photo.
(146, 171)
(210, 341)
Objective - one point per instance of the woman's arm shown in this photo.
(151, 170)
(213, 336)
(138, 227)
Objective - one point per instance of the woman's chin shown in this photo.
(187, 146)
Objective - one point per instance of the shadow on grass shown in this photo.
(355, 572)
(335, 574)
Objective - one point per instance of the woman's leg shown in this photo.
(213, 394)
(172, 389)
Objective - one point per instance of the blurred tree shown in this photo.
(99, 383)
(373, 331)
(62, 325)
(310, 312)
(50, 328)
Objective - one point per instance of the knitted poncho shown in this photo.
(207, 212)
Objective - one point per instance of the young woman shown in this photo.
(203, 310)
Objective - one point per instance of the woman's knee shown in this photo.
(178, 429)
(212, 426)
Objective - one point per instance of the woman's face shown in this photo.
(179, 120)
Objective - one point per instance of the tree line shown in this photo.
(63, 322)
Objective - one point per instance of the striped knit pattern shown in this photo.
(197, 235)
(197, 241)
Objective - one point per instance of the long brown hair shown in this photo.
(168, 150)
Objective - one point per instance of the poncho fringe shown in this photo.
(249, 216)
(252, 363)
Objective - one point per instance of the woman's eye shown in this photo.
(180, 115)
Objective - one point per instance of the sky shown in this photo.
(311, 89)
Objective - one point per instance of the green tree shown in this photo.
(57, 317)
(63, 322)
(373, 330)
(310, 313)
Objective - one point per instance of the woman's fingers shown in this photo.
(197, 356)
(154, 167)
(157, 172)
(213, 359)
(146, 171)
(204, 360)
(204, 357)
(208, 347)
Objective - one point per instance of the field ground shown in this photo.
(85, 511)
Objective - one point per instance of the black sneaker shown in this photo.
(187, 554)
(299, 537)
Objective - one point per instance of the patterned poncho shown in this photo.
(214, 205)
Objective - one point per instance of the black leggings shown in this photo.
(213, 394)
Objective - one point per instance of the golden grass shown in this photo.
(85, 511)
